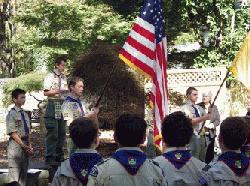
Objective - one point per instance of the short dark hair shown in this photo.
(177, 129)
(189, 90)
(60, 59)
(130, 130)
(233, 132)
(15, 93)
(83, 131)
(73, 80)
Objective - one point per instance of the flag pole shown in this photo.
(106, 85)
(215, 98)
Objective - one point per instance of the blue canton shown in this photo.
(152, 12)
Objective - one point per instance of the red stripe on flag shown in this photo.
(137, 62)
(161, 60)
(140, 47)
(143, 32)
(157, 98)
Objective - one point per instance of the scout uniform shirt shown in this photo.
(18, 121)
(179, 167)
(55, 80)
(127, 166)
(72, 108)
(231, 169)
(193, 111)
(75, 170)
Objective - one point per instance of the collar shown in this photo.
(129, 148)
(236, 151)
(86, 151)
(56, 71)
(170, 149)
(74, 97)
(18, 109)
(190, 103)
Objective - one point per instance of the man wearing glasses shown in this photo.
(198, 116)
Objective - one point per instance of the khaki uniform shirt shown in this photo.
(220, 174)
(190, 112)
(14, 122)
(72, 110)
(65, 176)
(112, 173)
(189, 174)
(55, 80)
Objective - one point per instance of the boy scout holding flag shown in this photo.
(19, 147)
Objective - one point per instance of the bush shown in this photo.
(29, 82)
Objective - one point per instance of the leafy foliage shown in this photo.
(70, 27)
(29, 82)
(220, 29)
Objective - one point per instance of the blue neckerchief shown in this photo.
(196, 112)
(178, 158)
(70, 99)
(26, 128)
(237, 162)
(131, 160)
(245, 149)
(81, 162)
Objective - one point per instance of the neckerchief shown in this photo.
(196, 112)
(178, 158)
(70, 99)
(26, 128)
(237, 162)
(131, 160)
(25, 124)
(245, 149)
(82, 163)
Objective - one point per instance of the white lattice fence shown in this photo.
(206, 79)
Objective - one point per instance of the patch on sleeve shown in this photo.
(94, 172)
(203, 181)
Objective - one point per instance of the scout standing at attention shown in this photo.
(129, 164)
(179, 166)
(19, 147)
(74, 108)
(75, 170)
(55, 86)
(232, 167)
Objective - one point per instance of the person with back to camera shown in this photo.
(179, 167)
(232, 167)
(129, 165)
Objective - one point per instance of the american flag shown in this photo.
(146, 51)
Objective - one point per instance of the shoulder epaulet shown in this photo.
(154, 162)
(206, 168)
